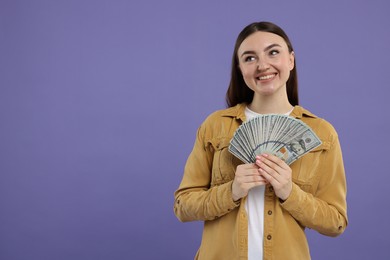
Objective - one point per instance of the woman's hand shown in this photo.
(277, 173)
(246, 177)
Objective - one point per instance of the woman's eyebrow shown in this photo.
(265, 49)
(248, 52)
(271, 46)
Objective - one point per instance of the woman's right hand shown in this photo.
(246, 177)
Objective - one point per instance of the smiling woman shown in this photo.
(260, 210)
(265, 63)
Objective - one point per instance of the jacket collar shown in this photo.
(299, 112)
(238, 112)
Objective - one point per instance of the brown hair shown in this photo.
(238, 91)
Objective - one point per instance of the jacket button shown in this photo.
(269, 237)
(269, 212)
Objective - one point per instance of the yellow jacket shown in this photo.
(317, 200)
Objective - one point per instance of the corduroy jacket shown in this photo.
(317, 200)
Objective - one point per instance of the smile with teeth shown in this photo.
(265, 77)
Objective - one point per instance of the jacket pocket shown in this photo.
(306, 169)
(224, 163)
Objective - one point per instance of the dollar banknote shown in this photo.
(284, 136)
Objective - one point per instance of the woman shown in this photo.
(260, 210)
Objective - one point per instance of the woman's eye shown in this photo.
(249, 58)
(273, 52)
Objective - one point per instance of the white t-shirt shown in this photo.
(254, 207)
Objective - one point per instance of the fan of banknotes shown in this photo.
(281, 135)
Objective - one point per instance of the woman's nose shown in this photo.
(262, 64)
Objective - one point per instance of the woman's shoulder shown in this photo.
(323, 128)
(223, 122)
(226, 114)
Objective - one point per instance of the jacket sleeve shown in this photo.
(195, 199)
(326, 209)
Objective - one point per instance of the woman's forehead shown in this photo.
(262, 40)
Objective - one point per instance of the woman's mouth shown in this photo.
(266, 77)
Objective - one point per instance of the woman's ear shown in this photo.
(292, 60)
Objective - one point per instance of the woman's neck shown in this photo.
(268, 105)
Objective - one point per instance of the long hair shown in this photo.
(238, 91)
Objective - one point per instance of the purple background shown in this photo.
(100, 102)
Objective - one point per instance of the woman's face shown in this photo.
(265, 63)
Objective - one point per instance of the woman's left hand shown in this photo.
(277, 173)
